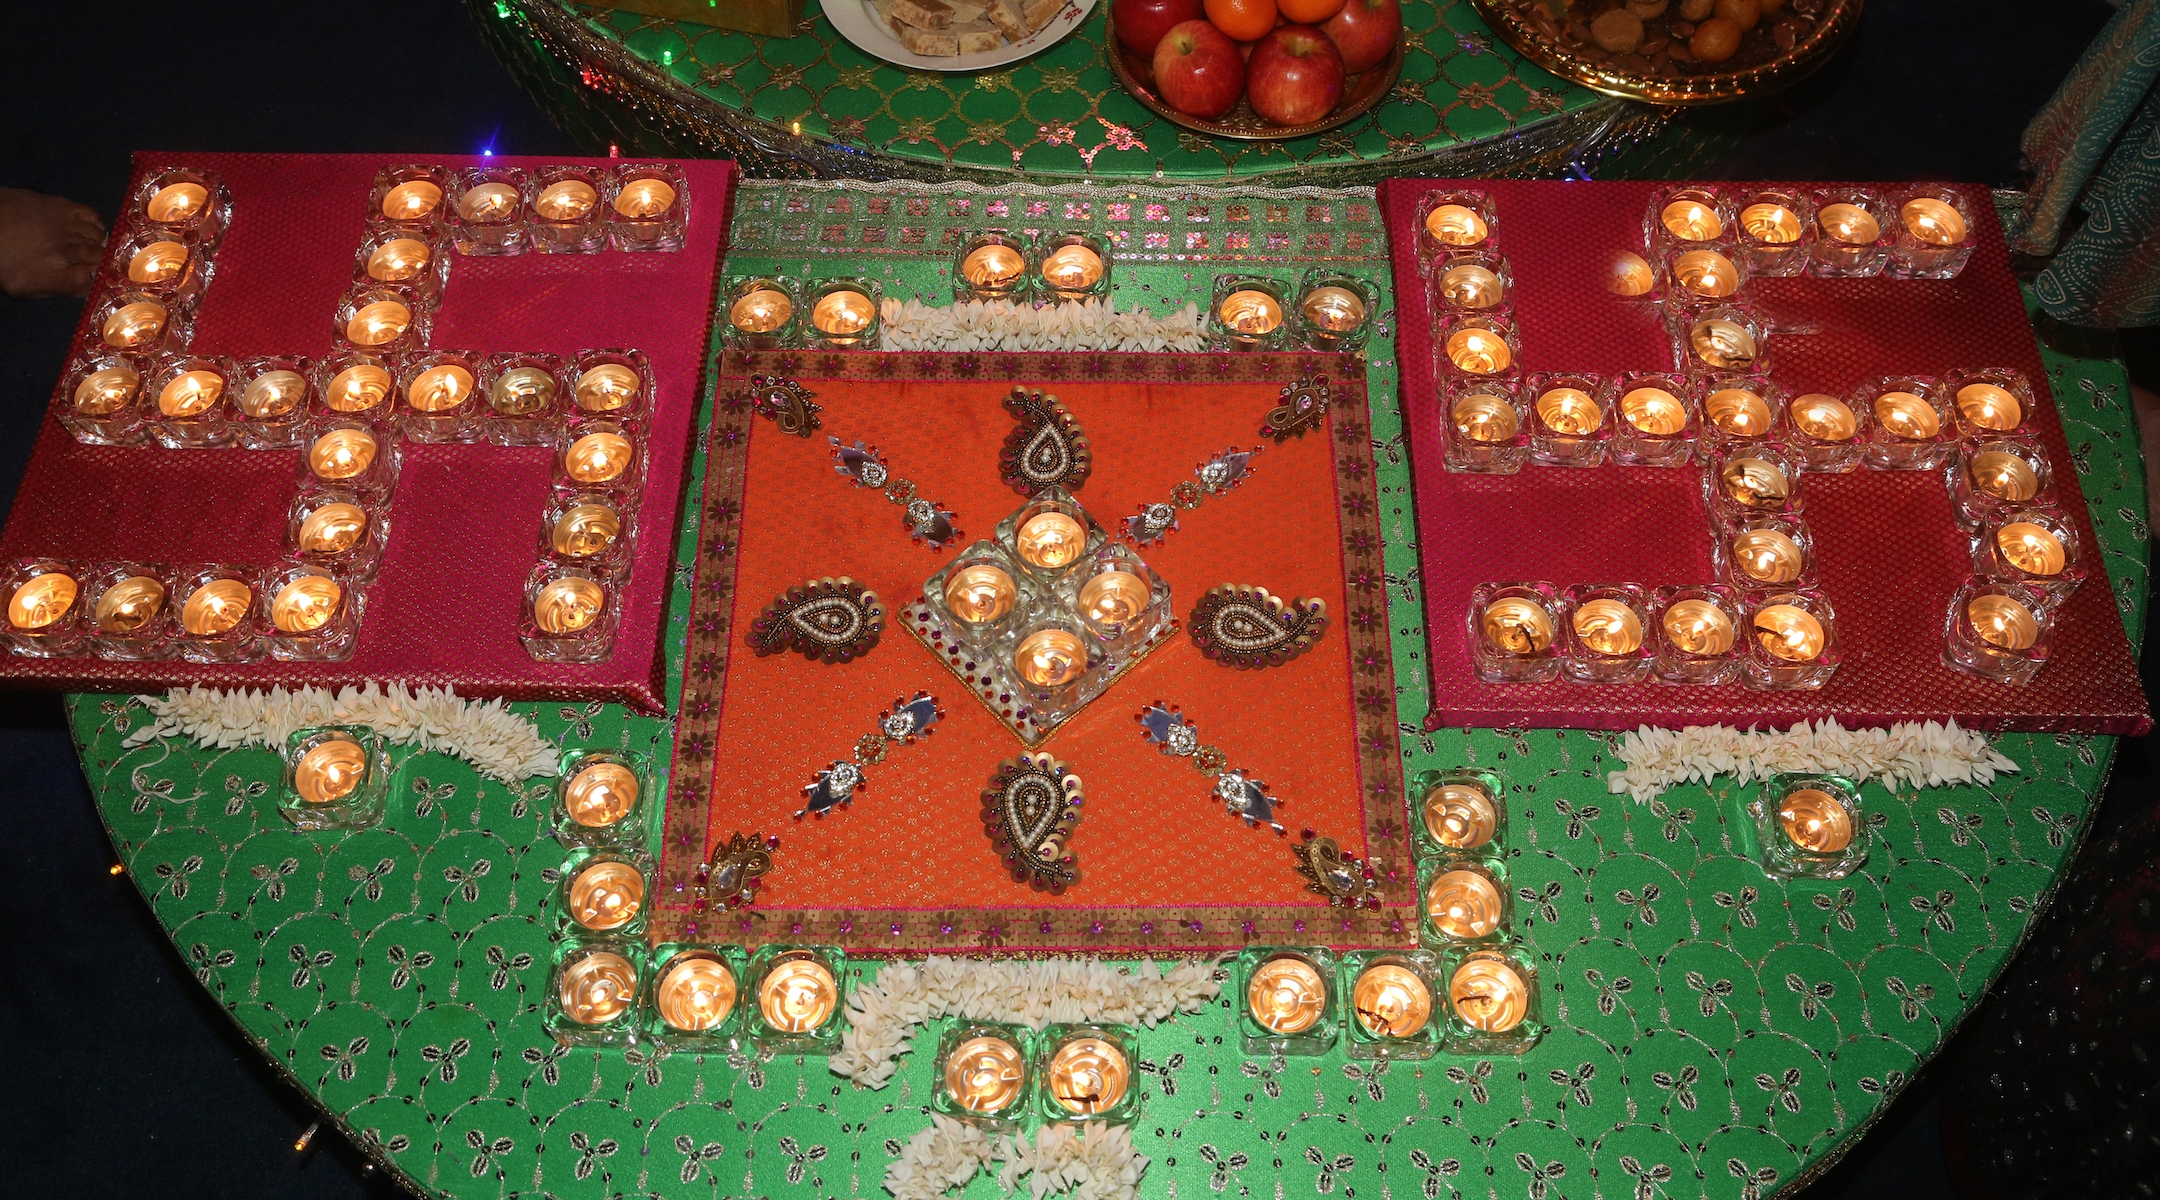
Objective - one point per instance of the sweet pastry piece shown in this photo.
(976, 37)
(947, 28)
(923, 14)
(1017, 19)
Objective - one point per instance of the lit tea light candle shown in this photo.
(1570, 411)
(1754, 482)
(1072, 268)
(1706, 273)
(1933, 221)
(597, 988)
(565, 200)
(985, 1074)
(1472, 286)
(1608, 626)
(357, 388)
(1691, 221)
(1905, 415)
(129, 605)
(522, 392)
(2003, 622)
(1485, 418)
(412, 200)
(1051, 539)
(1518, 625)
(1824, 418)
(598, 457)
(1654, 411)
(1460, 816)
(798, 995)
(158, 262)
(762, 311)
(342, 454)
(1489, 994)
(1391, 1001)
(1088, 1076)
(1629, 274)
(273, 394)
(1251, 311)
(1724, 344)
(1849, 224)
(1815, 820)
(600, 794)
(42, 600)
(696, 992)
(980, 594)
(333, 528)
(1698, 627)
(398, 260)
(488, 203)
(2031, 548)
(106, 391)
(306, 604)
(606, 387)
(843, 313)
(176, 203)
(217, 607)
(993, 267)
(137, 323)
(568, 605)
(1773, 224)
(378, 323)
(1990, 407)
(2003, 475)
(1789, 632)
(584, 530)
(191, 393)
(1113, 598)
(330, 771)
(1334, 309)
(644, 199)
(1463, 904)
(1479, 351)
(1768, 556)
(1455, 225)
(1050, 657)
(606, 895)
(440, 388)
(1286, 994)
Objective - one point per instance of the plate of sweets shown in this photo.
(955, 35)
(1675, 51)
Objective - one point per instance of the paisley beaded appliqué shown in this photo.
(785, 403)
(1304, 406)
(1047, 448)
(1346, 881)
(1245, 627)
(829, 620)
(1029, 811)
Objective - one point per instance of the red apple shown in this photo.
(1365, 31)
(1198, 70)
(1141, 24)
(1297, 75)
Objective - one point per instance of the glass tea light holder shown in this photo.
(979, 594)
(44, 609)
(184, 200)
(1754, 553)
(694, 999)
(565, 215)
(1933, 235)
(611, 383)
(1335, 311)
(439, 397)
(1808, 826)
(1701, 276)
(1726, 337)
(307, 614)
(593, 992)
(589, 529)
(354, 384)
(1998, 631)
(1122, 602)
(1912, 427)
(190, 402)
(128, 612)
(216, 604)
(101, 399)
(982, 1075)
(795, 994)
(485, 209)
(1477, 345)
(648, 207)
(2035, 547)
(1740, 410)
(761, 312)
(1792, 642)
(1455, 222)
(162, 262)
(600, 798)
(1776, 231)
(408, 197)
(137, 321)
(1286, 998)
(604, 893)
(600, 454)
(1991, 402)
(1085, 1072)
(1741, 482)
(1394, 1003)
(1471, 282)
(1488, 425)
(570, 614)
(843, 315)
(409, 261)
(1464, 900)
(273, 394)
(335, 777)
(1605, 633)
(1459, 811)
(337, 531)
(350, 454)
(1987, 478)
(1515, 632)
(1688, 216)
(1697, 628)
(1248, 313)
(1657, 420)
(1852, 233)
(1491, 1001)
(380, 320)
(1571, 418)
(1052, 656)
(991, 266)
(1050, 534)
(1630, 276)
(523, 394)
(1826, 431)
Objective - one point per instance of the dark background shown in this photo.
(121, 1076)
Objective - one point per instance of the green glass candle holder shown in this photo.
(1465, 901)
(604, 893)
(593, 992)
(1085, 1073)
(1394, 1003)
(600, 798)
(795, 999)
(1287, 999)
(1491, 1001)
(1809, 826)
(1463, 811)
(983, 1075)
(694, 996)
(335, 778)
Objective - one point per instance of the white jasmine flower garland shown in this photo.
(1093, 1162)
(1923, 755)
(1093, 324)
(938, 1159)
(486, 734)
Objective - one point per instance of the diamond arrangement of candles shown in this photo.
(1334, 310)
(760, 312)
(1998, 631)
(843, 315)
(796, 995)
(1086, 1073)
(1933, 235)
(1607, 633)
(604, 893)
(982, 1075)
(335, 777)
(648, 207)
(1391, 1006)
(1514, 632)
(1485, 426)
(593, 990)
(1808, 826)
(695, 994)
(1247, 313)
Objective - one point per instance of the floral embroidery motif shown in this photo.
(1346, 881)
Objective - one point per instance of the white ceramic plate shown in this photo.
(860, 24)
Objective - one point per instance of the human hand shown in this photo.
(49, 245)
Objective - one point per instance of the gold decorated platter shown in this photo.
(1783, 46)
(1136, 74)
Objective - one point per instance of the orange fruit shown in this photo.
(1242, 20)
(1309, 12)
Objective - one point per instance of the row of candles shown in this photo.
(561, 209)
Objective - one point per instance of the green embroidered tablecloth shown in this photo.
(1713, 1032)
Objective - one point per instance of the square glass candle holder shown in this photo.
(593, 992)
(1808, 826)
(523, 395)
(1459, 811)
(128, 611)
(1754, 553)
(570, 614)
(982, 1075)
(611, 383)
(1472, 282)
(1050, 535)
(190, 401)
(335, 777)
(1477, 345)
(1827, 431)
(979, 598)
(307, 614)
(1656, 422)
(162, 262)
(1248, 312)
(589, 529)
(1688, 216)
(1933, 235)
(486, 210)
(1700, 276)
(1740, 482)
(1630, 276)
(44, 609)
(409, 197)
(648, 207)
(1393, 1002)
(694, 999)
(1723, 337)
(1852, 233)
(136, 321)
(356, 384)
(1987, 478)
(1998, 631)
(1286, 999)
(380, 320)
(1605, 637)
(1086, 1073)
(761, 312)
(184, 200)
(1335, 311)
(1776, 231)
(100, 400)
(1455, 222)
(604, 893)
(1991, 402)
(1464, 899)
(2036, 547)
(351, 454)
(338, 531)
(1122, 602)
(795, 999)
(1057, 666)
(600, 454)
(1740, 410)
(414, 262)
(1488, 425)
(600, 798)
(274, 394)
(1491, 1001)
(1792, 641)
(993, 265)
(1698, 633)
(564, 215)
(1515, 632)
(1571, 418)
(1912, 427)
(439, 397)
(216, 603)
(843, 315)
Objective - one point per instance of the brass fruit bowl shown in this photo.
(1629, 76)
(1136, 74)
